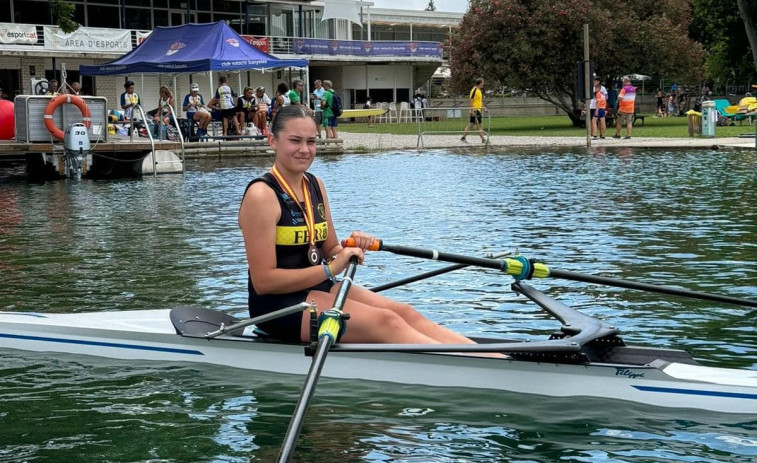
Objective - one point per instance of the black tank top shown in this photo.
(292, 242)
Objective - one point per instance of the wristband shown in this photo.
(327, 269)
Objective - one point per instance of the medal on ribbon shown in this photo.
(314, 254)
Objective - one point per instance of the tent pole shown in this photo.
(175, 95)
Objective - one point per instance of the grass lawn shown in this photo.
(546, 126)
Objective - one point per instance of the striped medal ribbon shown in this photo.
(314, 255)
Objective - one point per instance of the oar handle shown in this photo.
(375, 246)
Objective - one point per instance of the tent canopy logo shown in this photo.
(175, 47)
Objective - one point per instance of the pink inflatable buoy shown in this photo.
(7, 120)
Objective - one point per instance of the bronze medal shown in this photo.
(314, 255)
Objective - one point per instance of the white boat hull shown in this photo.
(150, 336)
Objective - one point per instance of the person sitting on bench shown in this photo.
(194, 105)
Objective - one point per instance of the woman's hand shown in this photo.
(342, 260)
(362, 240)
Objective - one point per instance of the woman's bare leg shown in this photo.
(367, 324)
(410, 315)
(365, 300)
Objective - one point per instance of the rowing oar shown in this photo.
(524, 269)
(432, 273)
(327, 335)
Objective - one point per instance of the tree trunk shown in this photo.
(751, 30)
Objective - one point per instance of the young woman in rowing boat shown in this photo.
(293, 251)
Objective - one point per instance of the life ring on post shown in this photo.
(69, 99)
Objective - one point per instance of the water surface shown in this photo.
(680, 218)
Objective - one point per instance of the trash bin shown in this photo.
(709, 118)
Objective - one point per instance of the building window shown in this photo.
(103, 16)
(227, 6)
(160, 17)
(31, 12)
(138, 18)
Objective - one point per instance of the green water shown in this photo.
(681, 218)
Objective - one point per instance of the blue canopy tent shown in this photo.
(188, 49)
(191, 48)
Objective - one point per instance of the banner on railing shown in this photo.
(25, 34)
(88, 39)
(366, 48)
(261, 43)
(142, 36)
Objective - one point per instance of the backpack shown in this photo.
(336, 106)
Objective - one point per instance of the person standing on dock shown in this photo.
(476, 108)
(626, 108)
(224, 100)
(330, 121)
(317, 98)
(129, 100)
(294, 254)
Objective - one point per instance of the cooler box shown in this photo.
(30, 121)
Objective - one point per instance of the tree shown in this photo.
(534, 45)
(717, 25)
(748, 12)
(63, 13)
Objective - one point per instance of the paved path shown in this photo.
(383, 142)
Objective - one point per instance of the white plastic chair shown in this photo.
(392, 112)
(406, 114)
(381, 117)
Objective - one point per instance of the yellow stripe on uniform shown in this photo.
(297, 235)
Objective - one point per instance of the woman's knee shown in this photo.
(407, 312)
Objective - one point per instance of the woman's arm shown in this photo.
(332, 246)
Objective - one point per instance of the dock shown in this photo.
(120, 156)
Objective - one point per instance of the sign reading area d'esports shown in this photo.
(88, 39)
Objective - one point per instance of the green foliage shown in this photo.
(717, 25)
(63, 13)
(535, 44)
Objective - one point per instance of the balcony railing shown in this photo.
(116, 42)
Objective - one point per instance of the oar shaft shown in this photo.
(511, 267)
(308, 390)
(444, 256)
(567, 275)
(319, 359)
(432, 273)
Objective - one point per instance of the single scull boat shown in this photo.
(585, 358)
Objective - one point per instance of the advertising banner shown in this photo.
(367, 48)
(18, 34)
(88, 39)
(142, 36)
(261, 43)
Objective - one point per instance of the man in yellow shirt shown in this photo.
(476, 103)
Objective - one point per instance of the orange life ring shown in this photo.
(59, 100)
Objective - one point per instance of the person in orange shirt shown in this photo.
(626, 102)
(600, 111)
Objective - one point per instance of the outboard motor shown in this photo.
(75, 146)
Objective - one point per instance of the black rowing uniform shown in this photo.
(292, 246)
